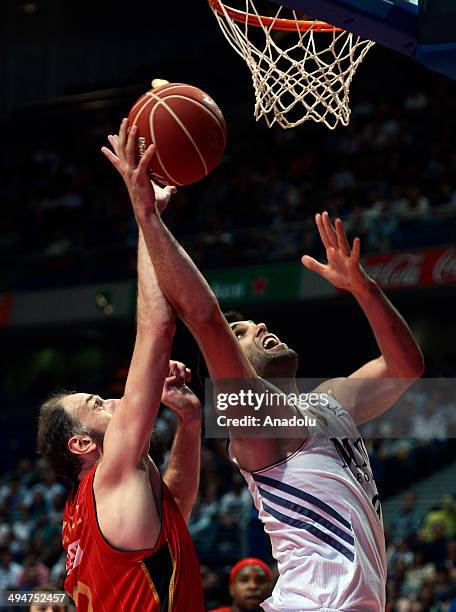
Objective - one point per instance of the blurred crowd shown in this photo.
(421, 542)
(421, 552)
(391, 176)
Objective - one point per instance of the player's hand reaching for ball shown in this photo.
(343, 269)
(178, 397)
(146, 196)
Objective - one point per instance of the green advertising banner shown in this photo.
(275, 282)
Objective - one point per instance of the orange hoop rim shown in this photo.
(284, 25)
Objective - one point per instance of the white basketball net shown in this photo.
(308, 79)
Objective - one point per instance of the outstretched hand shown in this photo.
(343, 269)
(146, 196)
(177, 396)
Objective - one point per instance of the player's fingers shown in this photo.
(112, 157)
(173, 369)
(131, 146)
(114, 142)
(329, 228)
(173, 363)
(123, 135)
(334, 256)
(356, 250)
(188, 375)
(322, 231)
(312, 264)
(146, 159)
(342, 238)
(181, 372)
(170, 381)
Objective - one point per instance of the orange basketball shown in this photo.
(188, 129)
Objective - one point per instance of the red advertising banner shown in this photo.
(413, 268)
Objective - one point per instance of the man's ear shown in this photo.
(81, 445)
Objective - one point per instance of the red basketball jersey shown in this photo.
(101, 578)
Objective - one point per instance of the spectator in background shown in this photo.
(5, 529)
(23, 527)
(409, 517)
(38, 506)
(58, 506)
(416, 574)
(229, 542)
(250, 584)
(213, 591)
(437, 546)
(238, 501)
(23, 472)
(202, 525)
(48, 487)
(11, 497)
(35, 573)
(445, 515)
(10, 571)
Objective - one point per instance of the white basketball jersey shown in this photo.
(321, 510)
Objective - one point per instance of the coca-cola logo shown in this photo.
(444, 270)
(401, 270)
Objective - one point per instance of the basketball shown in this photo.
(188, 129)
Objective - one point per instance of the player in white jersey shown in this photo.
(315, 492)
(321, 510)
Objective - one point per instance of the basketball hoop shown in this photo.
(303, 74)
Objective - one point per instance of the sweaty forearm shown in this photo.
(179, 278)
(402, 355)
(182, 473)
(153, 307)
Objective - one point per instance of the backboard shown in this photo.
(424, 30)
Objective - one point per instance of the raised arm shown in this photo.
(182, 473)
(127, 437)
(183, 284)
(186, 288)
(375, 386)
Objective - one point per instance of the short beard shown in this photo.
(96, 436)
(284, 365)
(156, 449)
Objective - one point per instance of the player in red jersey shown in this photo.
(128, 546)
(250, 584)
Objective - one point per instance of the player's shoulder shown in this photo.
(329, 385)
(329, 392)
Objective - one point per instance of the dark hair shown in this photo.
(232, 316)
(55, 427)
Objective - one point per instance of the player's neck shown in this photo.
(89, 464)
